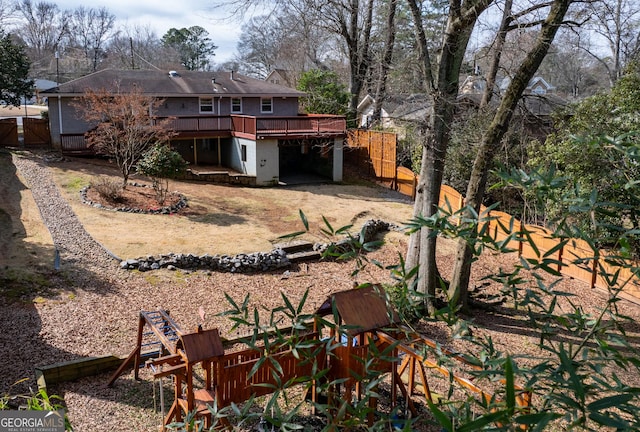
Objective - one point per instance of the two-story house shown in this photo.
(222, 120)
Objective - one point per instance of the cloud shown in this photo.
(162, 16)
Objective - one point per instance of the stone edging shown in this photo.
(182, 203)
(242, 263)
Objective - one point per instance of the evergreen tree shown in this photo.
(14, 72)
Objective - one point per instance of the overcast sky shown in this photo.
(161, 15)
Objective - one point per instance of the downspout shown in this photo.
(60, 117)
(219, 153)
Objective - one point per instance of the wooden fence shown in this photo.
(571, 257)
(36, 132)
(8, 132)
(373, 152)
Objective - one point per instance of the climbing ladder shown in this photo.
(158, 335)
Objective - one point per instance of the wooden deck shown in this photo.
(255, 128)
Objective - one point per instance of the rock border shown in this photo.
(182, 203)
(244, 263)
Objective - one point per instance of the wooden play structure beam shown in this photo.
(346, 347)
(158, 333)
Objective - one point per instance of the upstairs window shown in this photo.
(266, 105)
(206, 105)
(236, 105)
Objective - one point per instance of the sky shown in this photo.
(161, 15)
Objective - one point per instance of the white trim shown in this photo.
(200, 105)
(231, 106)
(60, 115)
(270, 99)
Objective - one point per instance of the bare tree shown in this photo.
(7, 11)
(574, 72)
(349, 20)
(259, 45)
(45, 27)
(285, 39)
(617, 23)
(353, 22)
(91, 30)
(381, 90)
(125, 125)
(138, 47)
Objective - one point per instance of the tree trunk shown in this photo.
(422, 245)
(358, 41)
(459, 287)
(381, 91)
(495, 61)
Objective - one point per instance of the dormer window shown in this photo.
(236, 105)
(206, 105)
(266, 105)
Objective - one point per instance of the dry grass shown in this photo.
(224, 219)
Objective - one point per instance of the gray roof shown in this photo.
(172, 84)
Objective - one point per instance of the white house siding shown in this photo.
(234, 161)
(267, 162)
(337, 159)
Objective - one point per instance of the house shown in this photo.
(536, 86)
(396, 110)
(281, 76)
(224, 122)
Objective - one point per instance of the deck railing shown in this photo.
(259, 126)
(200, 124)
(246, 126)
(74, 143)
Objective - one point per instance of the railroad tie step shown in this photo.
(304, 256)
(295, 246)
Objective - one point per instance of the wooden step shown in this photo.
(304, 256)
(295, 246)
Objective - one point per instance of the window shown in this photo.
(236, 105)
(539, 90)
(243, 151)
(266, 105)
(206, 105)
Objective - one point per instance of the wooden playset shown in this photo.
(364, 338)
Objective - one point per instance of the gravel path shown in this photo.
(75, 246)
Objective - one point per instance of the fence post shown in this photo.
(414, 185)
(594, 272)
(560, 256)
(521, 239)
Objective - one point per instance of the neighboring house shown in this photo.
(281, 77)
(536, 106)
(537, 86)
(396, 111)
(538, 102)
(222, 119)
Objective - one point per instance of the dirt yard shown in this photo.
(52, 316)
(222, 219)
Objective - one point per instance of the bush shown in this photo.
(108, 189)
(161, 163)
